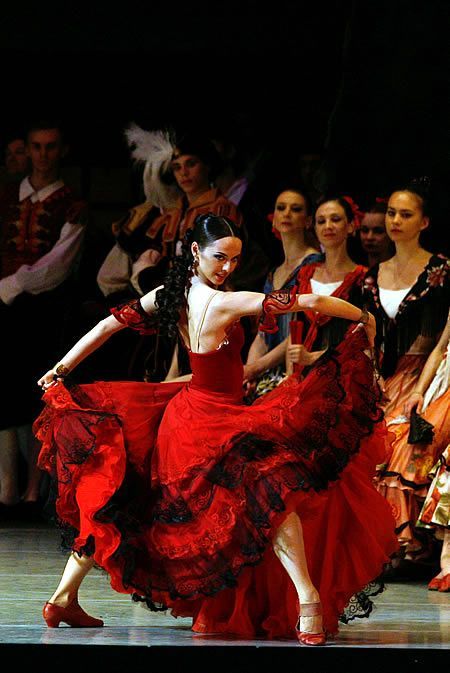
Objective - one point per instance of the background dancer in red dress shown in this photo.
(336, 274)
(235, 490)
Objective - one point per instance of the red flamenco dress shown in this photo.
(177, 489)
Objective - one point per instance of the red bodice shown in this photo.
(220, 370)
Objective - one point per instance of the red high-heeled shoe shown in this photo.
(445, 583)
(435, 584)
(304, 637)
(73, 615)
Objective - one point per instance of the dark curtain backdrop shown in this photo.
(390, 120)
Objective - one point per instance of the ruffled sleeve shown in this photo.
(276, 302)
(133, 315)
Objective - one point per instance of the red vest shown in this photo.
(29, 230)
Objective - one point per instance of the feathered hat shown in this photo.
(155, 148)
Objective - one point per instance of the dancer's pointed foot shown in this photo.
(73, 615)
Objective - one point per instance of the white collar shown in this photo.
(26, 189)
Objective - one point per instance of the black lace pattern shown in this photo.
(133, 315)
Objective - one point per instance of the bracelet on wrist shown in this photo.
(60, 371)
(364, 317)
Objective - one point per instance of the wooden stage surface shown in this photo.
(408, 630)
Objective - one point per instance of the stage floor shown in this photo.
(407, 618)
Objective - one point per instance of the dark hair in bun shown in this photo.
(421, 187)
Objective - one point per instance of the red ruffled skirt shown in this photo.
(196, 535)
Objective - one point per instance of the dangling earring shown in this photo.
(192, 271)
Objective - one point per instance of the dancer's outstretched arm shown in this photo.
(90, 342)
(250, 303)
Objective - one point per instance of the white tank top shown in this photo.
(324, 289)
(391, 299)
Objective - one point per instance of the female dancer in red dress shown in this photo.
(336, 274)
(196, 503)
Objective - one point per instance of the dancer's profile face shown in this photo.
(404, 217)
(291, 213)
(217, 260)
(331, 224)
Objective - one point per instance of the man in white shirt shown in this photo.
(42, 225)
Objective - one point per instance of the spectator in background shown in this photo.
(132, 252)
(336, 274)
(419, 458)
(375, 243)
(194, 166)
(42, 224)
(17, 162)
(409, 297)
(266, 362)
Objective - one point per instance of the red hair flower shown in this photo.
(275, 232)
(357, 213)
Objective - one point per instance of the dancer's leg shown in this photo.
(77, 567)
(289, 546)
(63, 605)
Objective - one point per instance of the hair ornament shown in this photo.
(275, 232)
(357, 213)
(421, 185)
(423, 180)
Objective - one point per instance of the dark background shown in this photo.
(365, 82)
